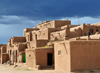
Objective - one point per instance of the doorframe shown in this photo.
(47, 59)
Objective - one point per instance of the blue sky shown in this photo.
(16, 15)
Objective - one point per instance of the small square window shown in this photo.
(59, 52)
(29, 55)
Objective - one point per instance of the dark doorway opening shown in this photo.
(49, 59)
(91, 31)
(15, 56)
(10, 54)
(97, 30)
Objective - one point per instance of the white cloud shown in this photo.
(16, 20)
(13, 26)
(87, 20)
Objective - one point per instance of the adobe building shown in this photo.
(40, 57)
(3, 53)
(57, 44)
(16, 49)
(77, 55)
(63, 58)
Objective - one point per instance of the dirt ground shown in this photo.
(22, 68)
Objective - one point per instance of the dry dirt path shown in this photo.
(22, 68)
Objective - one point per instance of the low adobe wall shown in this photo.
(85, 55)
(18, 39)
(3, 49)
(37, 43)
(58, 35)
(22, 47)
(4, 58)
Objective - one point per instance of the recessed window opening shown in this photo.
(85, 34)
(29, 55)
(91, 31)
(59, 52)
(97, 30)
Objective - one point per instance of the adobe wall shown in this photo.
(4, 58)
(41, 56)
(38, 43)
(50, 25)
(18, 39)
(3, 49)
(19, 50)
(44, 34)
(59, 23)
(84, 29)
(29, 36)
(8, 51)
(2, 45)
(85, 55)
(0, 52)
(32, 44)
(41, 43)
(9, 43)
(71, 26)
(10, 48)
(20, 47)
(53, 24)
(30, 58)
(46, 24)
(63, 27)
(34, 35)
(75, 33)
(87, 28)
(50, 30)
(58, 35)
(20, 57)
(28, 30)
(76, 28)
(62, 56)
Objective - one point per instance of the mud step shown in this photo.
(47, 67)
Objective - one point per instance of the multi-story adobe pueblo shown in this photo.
(56, 44)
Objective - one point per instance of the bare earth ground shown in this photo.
(22, 68)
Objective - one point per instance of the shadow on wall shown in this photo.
(65, 48)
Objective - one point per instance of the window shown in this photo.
(85, 34)
(29, 55)
(59, 52)
(97, 30)
(91, 31)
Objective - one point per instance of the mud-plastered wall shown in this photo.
(62, 56)
(85, 55)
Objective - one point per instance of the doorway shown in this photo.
(15, 56)
(49, 59)
(10, 55)
(24, 58)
